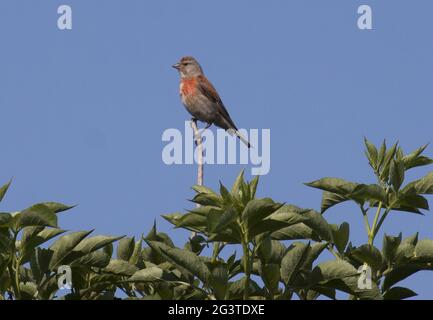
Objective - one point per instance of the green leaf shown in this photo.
(218, 279)
(228, 235)
(295, 232)
(334, 185)
(47, 289)
(341, 275)
(193, 220)
(363, 193)
(64, 245)
(184, 259)
(253, 186)
(57, 207)
(419, 162)
(424, 251)
(350, 285)
(203, 189)
(390, 246)
(98, 282)
(415, 159)
(421, 186)
(271, 251)
(290, 214)
(39, 261)
(399, 293)
(293, 260)
(37, 215)
(396, 174)
(370, 255)
(29, 232)
(267, 225)
(225, 219)
(226, 196)
(5, 220)
(212, 220)
(257, 210)
(125, 248)
(336, 191)
(236, 289)
(237, 185)
(152, 235)
(389, 155)
(4, 189)
(313, 253)
(245, 195)
(96, 259)
(35, 236)
(207, 199)
(164, 238)
(95, 243)
(381, 154)
(270, 273)
(371, 153)
(28, 290)
(206, 196)
(399, 154)
(319, 290)
(406, 249)
(6, 241)
(402, 272)
(341, 236)
(121, 267)
(136, 253)
(151, 274)
(330, 199)
(410, 203)
(331, 270)
(278, 251)
(315, 221)
(108, 250)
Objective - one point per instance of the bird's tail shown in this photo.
(241, 137)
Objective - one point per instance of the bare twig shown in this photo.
(198, 141)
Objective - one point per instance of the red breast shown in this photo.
(188, 86)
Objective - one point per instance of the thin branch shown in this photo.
(367, 224)
(198, 141)
(374, 225)
(331, 249)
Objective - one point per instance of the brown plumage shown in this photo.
(201, 99)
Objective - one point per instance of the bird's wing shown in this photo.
(210, 92)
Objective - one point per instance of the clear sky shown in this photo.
(83, 111)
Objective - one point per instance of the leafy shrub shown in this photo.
(280, 244)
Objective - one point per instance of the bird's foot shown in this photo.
(194, 127)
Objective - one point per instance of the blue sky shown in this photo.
(83, 111)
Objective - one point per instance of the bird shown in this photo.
(201, 99)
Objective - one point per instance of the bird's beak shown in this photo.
(176, 66)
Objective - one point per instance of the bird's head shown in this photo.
(188, 67)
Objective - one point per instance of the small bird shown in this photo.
(201, 99)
